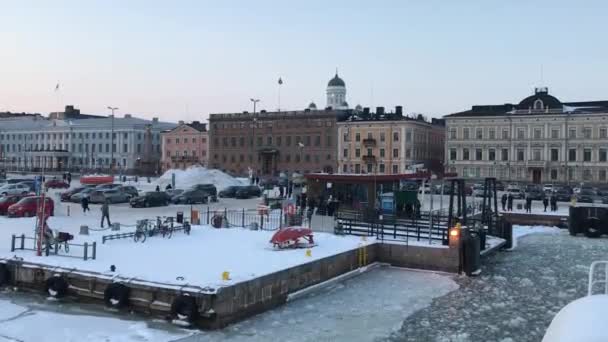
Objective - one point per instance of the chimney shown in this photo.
(154, 120)
(366, 111)
(399, 111)
(196, 122)
(180, 122)
(127, 116)
(379, 110)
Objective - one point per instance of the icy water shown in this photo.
(515, 298)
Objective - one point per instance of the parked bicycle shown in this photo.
(165, 227)
(141, 231)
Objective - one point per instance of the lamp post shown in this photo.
(253, 123)
(112, 143)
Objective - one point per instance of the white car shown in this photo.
(14, 189)
(516, 193)
(426, 189)
(548, 188)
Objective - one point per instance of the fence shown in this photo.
(272, 220)
(86, 251)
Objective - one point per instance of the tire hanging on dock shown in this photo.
(594, 229)
(116, 295)
(56, 286)
(184, 308)
(5, 275)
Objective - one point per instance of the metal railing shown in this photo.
(62, 249)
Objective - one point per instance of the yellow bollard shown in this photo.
(308, 253)
(225, 275)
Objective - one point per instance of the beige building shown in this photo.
(541, 139)
(389, 143)
(184, 146)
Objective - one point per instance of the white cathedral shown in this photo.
(336, 94)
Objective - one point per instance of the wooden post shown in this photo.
(94, 250)
(22, 241)
(243, 218)
(86, 250)
(13, 243)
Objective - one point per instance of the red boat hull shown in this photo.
(291, 236)
(96, 179)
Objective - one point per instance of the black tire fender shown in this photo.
(116, 295)
(593, 228)
(5, 275)
(56, 286)
(184, 308)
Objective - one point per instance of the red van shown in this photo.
(9, 200)
(28, 206)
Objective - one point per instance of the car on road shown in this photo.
(65, 196)
(562, 195)
(107, 186)
(585, 195)
(56, 184)
(535, 194)
(174, 192)
(548, 188)
(150, 199)
(129, 190)
(116, 196)
(191, 197)
(18, 180)
(248, 192)
(516, 193)
(28, 206)
(14, 189)
(77, 197)
(209, 188)
(9, 200)
(229, 192)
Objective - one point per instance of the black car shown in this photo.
(585, 196)
(248, 192)
(535, 194)
(229, 192)
(191, 197)
(150, 199)
(562, 195)
(209, 188)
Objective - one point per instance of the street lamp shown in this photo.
(112, 147)
(255, 101)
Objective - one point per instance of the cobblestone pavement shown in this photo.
(515, 297)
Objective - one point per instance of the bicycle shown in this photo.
(165, 228)
(141, 231)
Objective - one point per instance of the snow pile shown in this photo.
(198, 175)
(581, 320)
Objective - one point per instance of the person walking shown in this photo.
(546, 203)
(510, 202)
(105, 213)
(85, 204)
(157, 188)
(503, 201)
(528, 204)
(553, 203)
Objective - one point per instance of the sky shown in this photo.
(181, 60)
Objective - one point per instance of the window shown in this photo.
(408, 153)
(345, 137)
(555, 134)
(452, 133)
(505, 134)
(328, 139)
(478, 154)
(369, 151)
(232, 141)
(344, 168)
(538, 104)
(572, 154)
(395, 153)
(602, 175)
(587, 174)
(553, 174)
(125, 148)
(603, 133)
(317, 140)
(395, 168)
(357, 153)
(307, 140)
(465, 154)
(381, 168)
(357, 168)
(381, 153)
(260, 141)
(358, 137)
(408, 136)
(536, 154)
(479, 133)
(587, 132)
(382, 137)
(504, 154)
(242, 141)
(370, 135)
(602, 155)
(345, 153)
(491, 154)
(587, 154)
(288, 140)
(269, 141)
(492, 133)
(125, 135)
(537, 133)
(554, 154)
(465, 172)
(369, 168)
(520, 133)
(520, 154)
(395, 136)
(452, 154)
(572, 133)
(570, 173)
(465, 133)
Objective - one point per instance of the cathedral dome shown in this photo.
(336, 82)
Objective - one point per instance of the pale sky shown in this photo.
(181, 60)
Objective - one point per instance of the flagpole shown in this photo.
(280, 84)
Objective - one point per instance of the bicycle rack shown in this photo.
(594, 266)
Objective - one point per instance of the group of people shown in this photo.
(507, 203)
(67, 177)
(105, 209)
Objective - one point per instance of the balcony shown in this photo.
(369, 159)
(369, 142)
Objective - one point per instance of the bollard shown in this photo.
(84, 230)
(68, 210)
(13, 243)
(86, 250)
(22, 241)
(308, 253)
(94, 250)
(225, 275)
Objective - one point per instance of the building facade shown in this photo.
(81, 144)
(389, 143)
(541, 139)
(184, 146)
(268, 143)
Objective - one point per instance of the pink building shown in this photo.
(184, 146)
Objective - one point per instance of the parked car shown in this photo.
(548, 188)
(28, 206)
(129, 190)
(191, 197)
(9, 200)
(150, 199)
(535, 194)
(174, 192)
(229, 192)
(30, 183)
(409, 186)
(500, 186)
(116, 196)
(516, 193)
(18, 180)
(209, 188)
(107, 186)
(56, 184)
(65, 196)
(248, 192)
(14, 189)
(563, 195)
(585, 196)
(77, 197)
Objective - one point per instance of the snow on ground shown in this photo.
(364, 308)
(21, 319)
(245, 254)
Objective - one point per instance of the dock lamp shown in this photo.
(455, 234)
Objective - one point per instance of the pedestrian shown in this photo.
(85, 204)
(528, 204)
(281, 191)
(167, 188)
(69, 177)
(546, 203)
(105, 213)
(510, 202)
(257, 180)
(157, 188)
(503, 201)
(553, 203)
(64, 177)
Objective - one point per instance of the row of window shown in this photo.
(368, 168)
(54, 136)
(185, 140)
(536, 133)
(39, 161)
(537, 154)
(370, 135)
(285, 158)
(273, 141)
(74, 148)
(186, 154)
(271, 124)
(521, 173)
